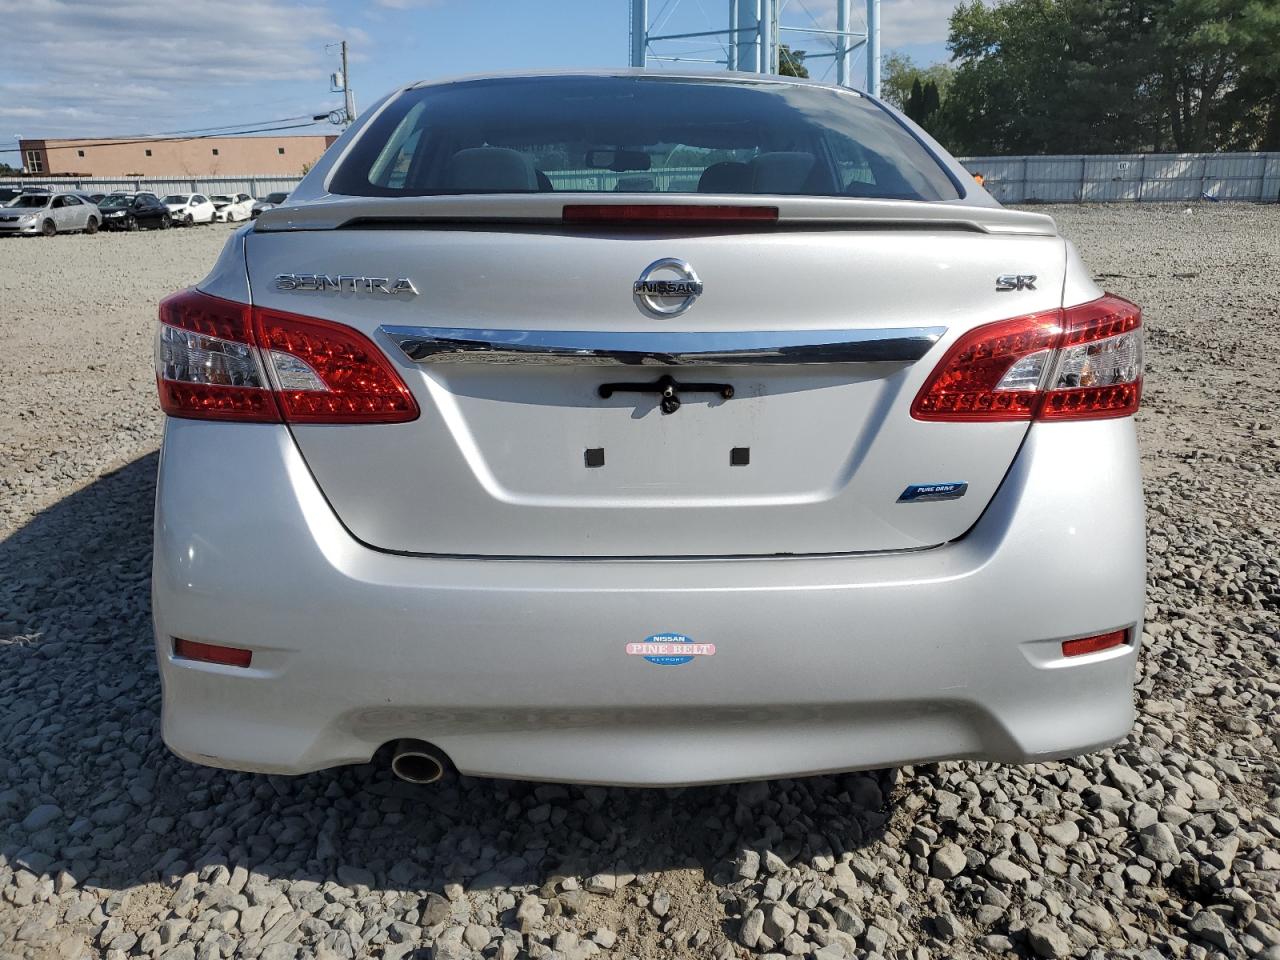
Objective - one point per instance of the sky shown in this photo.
(133, 67)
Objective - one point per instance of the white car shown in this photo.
(189, 208)
(231, 207)
(813, 458)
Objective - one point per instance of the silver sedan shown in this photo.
(50, 214)
(645, 429)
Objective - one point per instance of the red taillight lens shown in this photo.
(212, 653)
(665, 213)
(1103, 641)
(328, 373)
(207, 367)
(991, 373)
(212, 359)
(1084, 362)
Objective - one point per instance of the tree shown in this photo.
(1096, 76)
(899, 72)
(932, 101)
(915, 102)
(791, 62)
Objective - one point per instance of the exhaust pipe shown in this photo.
(416, 761)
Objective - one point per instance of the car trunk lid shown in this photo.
(539, 372)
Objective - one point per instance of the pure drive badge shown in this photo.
(922, 492)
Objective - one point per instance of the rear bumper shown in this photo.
(519, 667)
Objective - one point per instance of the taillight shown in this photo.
(1099, 365)
(220, 360)
(328, 373)
(1084, 362)
(207, 366)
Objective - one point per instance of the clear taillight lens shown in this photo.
(1099, 367)
(207, 366)
(1084, 362)
(210, 366)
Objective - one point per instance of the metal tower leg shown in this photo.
(639, 32)
(747, 40)
(873, 47)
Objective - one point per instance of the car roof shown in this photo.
(721, 75)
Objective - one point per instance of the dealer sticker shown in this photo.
(670, 649)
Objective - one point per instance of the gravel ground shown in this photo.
(1166, 846)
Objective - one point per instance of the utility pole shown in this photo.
(348, 98)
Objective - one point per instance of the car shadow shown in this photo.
(88, 787)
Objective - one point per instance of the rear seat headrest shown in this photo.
(781, 172)
(491, 169)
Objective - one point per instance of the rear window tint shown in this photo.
(639, 135)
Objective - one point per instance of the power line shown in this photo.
(81, 144)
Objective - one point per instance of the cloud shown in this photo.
(902, 22)
(914, 21)
(88, 67)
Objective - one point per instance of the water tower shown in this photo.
(750, 40)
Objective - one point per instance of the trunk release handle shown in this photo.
(669, 387)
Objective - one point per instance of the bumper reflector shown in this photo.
(1103, 641)
(212, 653)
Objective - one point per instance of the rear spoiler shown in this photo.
(333, 212)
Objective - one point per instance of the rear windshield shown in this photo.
(638, 135)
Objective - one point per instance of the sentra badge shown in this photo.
(326, 283)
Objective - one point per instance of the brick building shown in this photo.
(202, 157)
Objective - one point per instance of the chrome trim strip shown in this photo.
(663, 348)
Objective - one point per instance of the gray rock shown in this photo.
(435, 910)
(1158, 843)
(1126, 778)
(41, 816)
(751, 929)
(1211, 928)
(1006, 871)
(948, 861)
(1064, 834)
(1049, 940)
(778, 922)
(475, 936)
(660, 903)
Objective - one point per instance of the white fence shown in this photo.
(254, 185)
(1059, 179)
(1152, 176)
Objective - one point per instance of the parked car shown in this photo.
(49, 214)
(828, 463)
(189, 208)
(232, 207)
(124, 212)
(269, 202)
